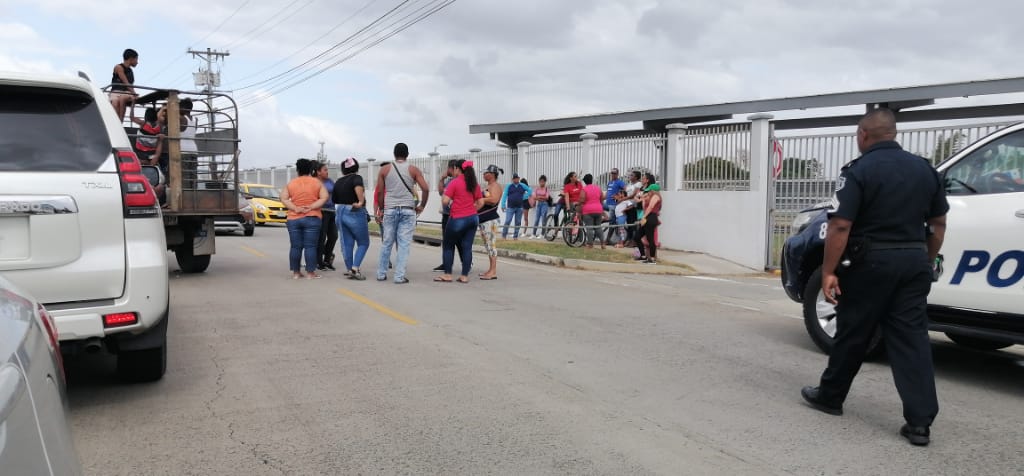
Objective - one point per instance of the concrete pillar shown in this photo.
(521, 161)
(673, 179)
(760, 151)
(588, 153)
(371, 186)
(433, 169)
(474, 155)
(760, 180)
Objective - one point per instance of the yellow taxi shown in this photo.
(266, 203)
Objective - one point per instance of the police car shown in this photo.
(978, 299)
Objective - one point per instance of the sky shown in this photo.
(487, 61)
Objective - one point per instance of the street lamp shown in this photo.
(439, 145)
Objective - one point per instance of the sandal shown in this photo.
(314, 276)
(442, 279)
(463, 279)
(488, 278)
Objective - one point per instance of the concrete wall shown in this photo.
(729, 225)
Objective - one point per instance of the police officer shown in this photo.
(877, 231)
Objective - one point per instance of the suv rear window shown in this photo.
(50, 130)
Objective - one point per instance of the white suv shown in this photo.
(80, 226)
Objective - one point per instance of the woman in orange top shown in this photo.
(304, 196)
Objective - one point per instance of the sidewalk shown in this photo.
(670, 262)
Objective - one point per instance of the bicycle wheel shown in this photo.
(551, 227)
(573, 233)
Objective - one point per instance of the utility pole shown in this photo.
(208, 80)
(321, 156)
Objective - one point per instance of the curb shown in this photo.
(580, 264)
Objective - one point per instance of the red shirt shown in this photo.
(593, 203)
(572, 192)
(463, 202)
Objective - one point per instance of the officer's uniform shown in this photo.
(888, 194)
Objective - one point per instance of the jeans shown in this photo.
(620, 220)
(328, 236)
(459, 233)
(592, 220)
(355, 234)
(398, 227)
(542, 214)
(445, 219)
(303, 233)
(510, 214)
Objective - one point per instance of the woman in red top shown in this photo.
(304, 196)
(572, 190)
(593, 210)
(464, 197)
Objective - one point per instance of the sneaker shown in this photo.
(382, 278)
(356, 275)
(329, 266)
(439, 269)
(640, 258)
(348, 274)
(402, 281)
(650, 261)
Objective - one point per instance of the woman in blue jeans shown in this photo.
(464, 198)
(304, 196)
(350, 200)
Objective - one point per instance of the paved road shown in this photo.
(544, 371)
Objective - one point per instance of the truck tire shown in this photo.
(977, 343)
(138, 366)
(250, 230)
(188, 261)
(820, 319)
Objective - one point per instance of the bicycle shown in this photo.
(573, 232)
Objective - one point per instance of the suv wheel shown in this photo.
(249, 230)
(976, 343)
(139, 366)
(820, 319)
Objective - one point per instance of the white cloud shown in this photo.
(490, 61)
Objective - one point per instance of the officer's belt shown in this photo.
(897, 245)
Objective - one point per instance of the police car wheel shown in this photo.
(976, 343)
(820, 319)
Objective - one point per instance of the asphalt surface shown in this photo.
(544, 371)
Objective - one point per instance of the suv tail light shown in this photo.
(51, 332)
(120, 319)
(139, 196)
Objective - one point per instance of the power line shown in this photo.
(327, 51)
(304, 48)
(215, 30)
(346, 45)
(245, 39)
(403, 27)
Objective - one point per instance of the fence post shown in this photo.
(433, 168)
(760, 179)
(522, 160)
(673, 179)
(588, 152)
(760, 151)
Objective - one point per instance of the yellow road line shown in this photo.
(253, 251)
(378, 307)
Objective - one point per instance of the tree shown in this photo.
(796, 168)
(947, 146)
(714, 168)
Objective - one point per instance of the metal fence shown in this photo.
(553, 160)
(643, 153)
(716, 158)
(812, 163)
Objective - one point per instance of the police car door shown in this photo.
(984, 245)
